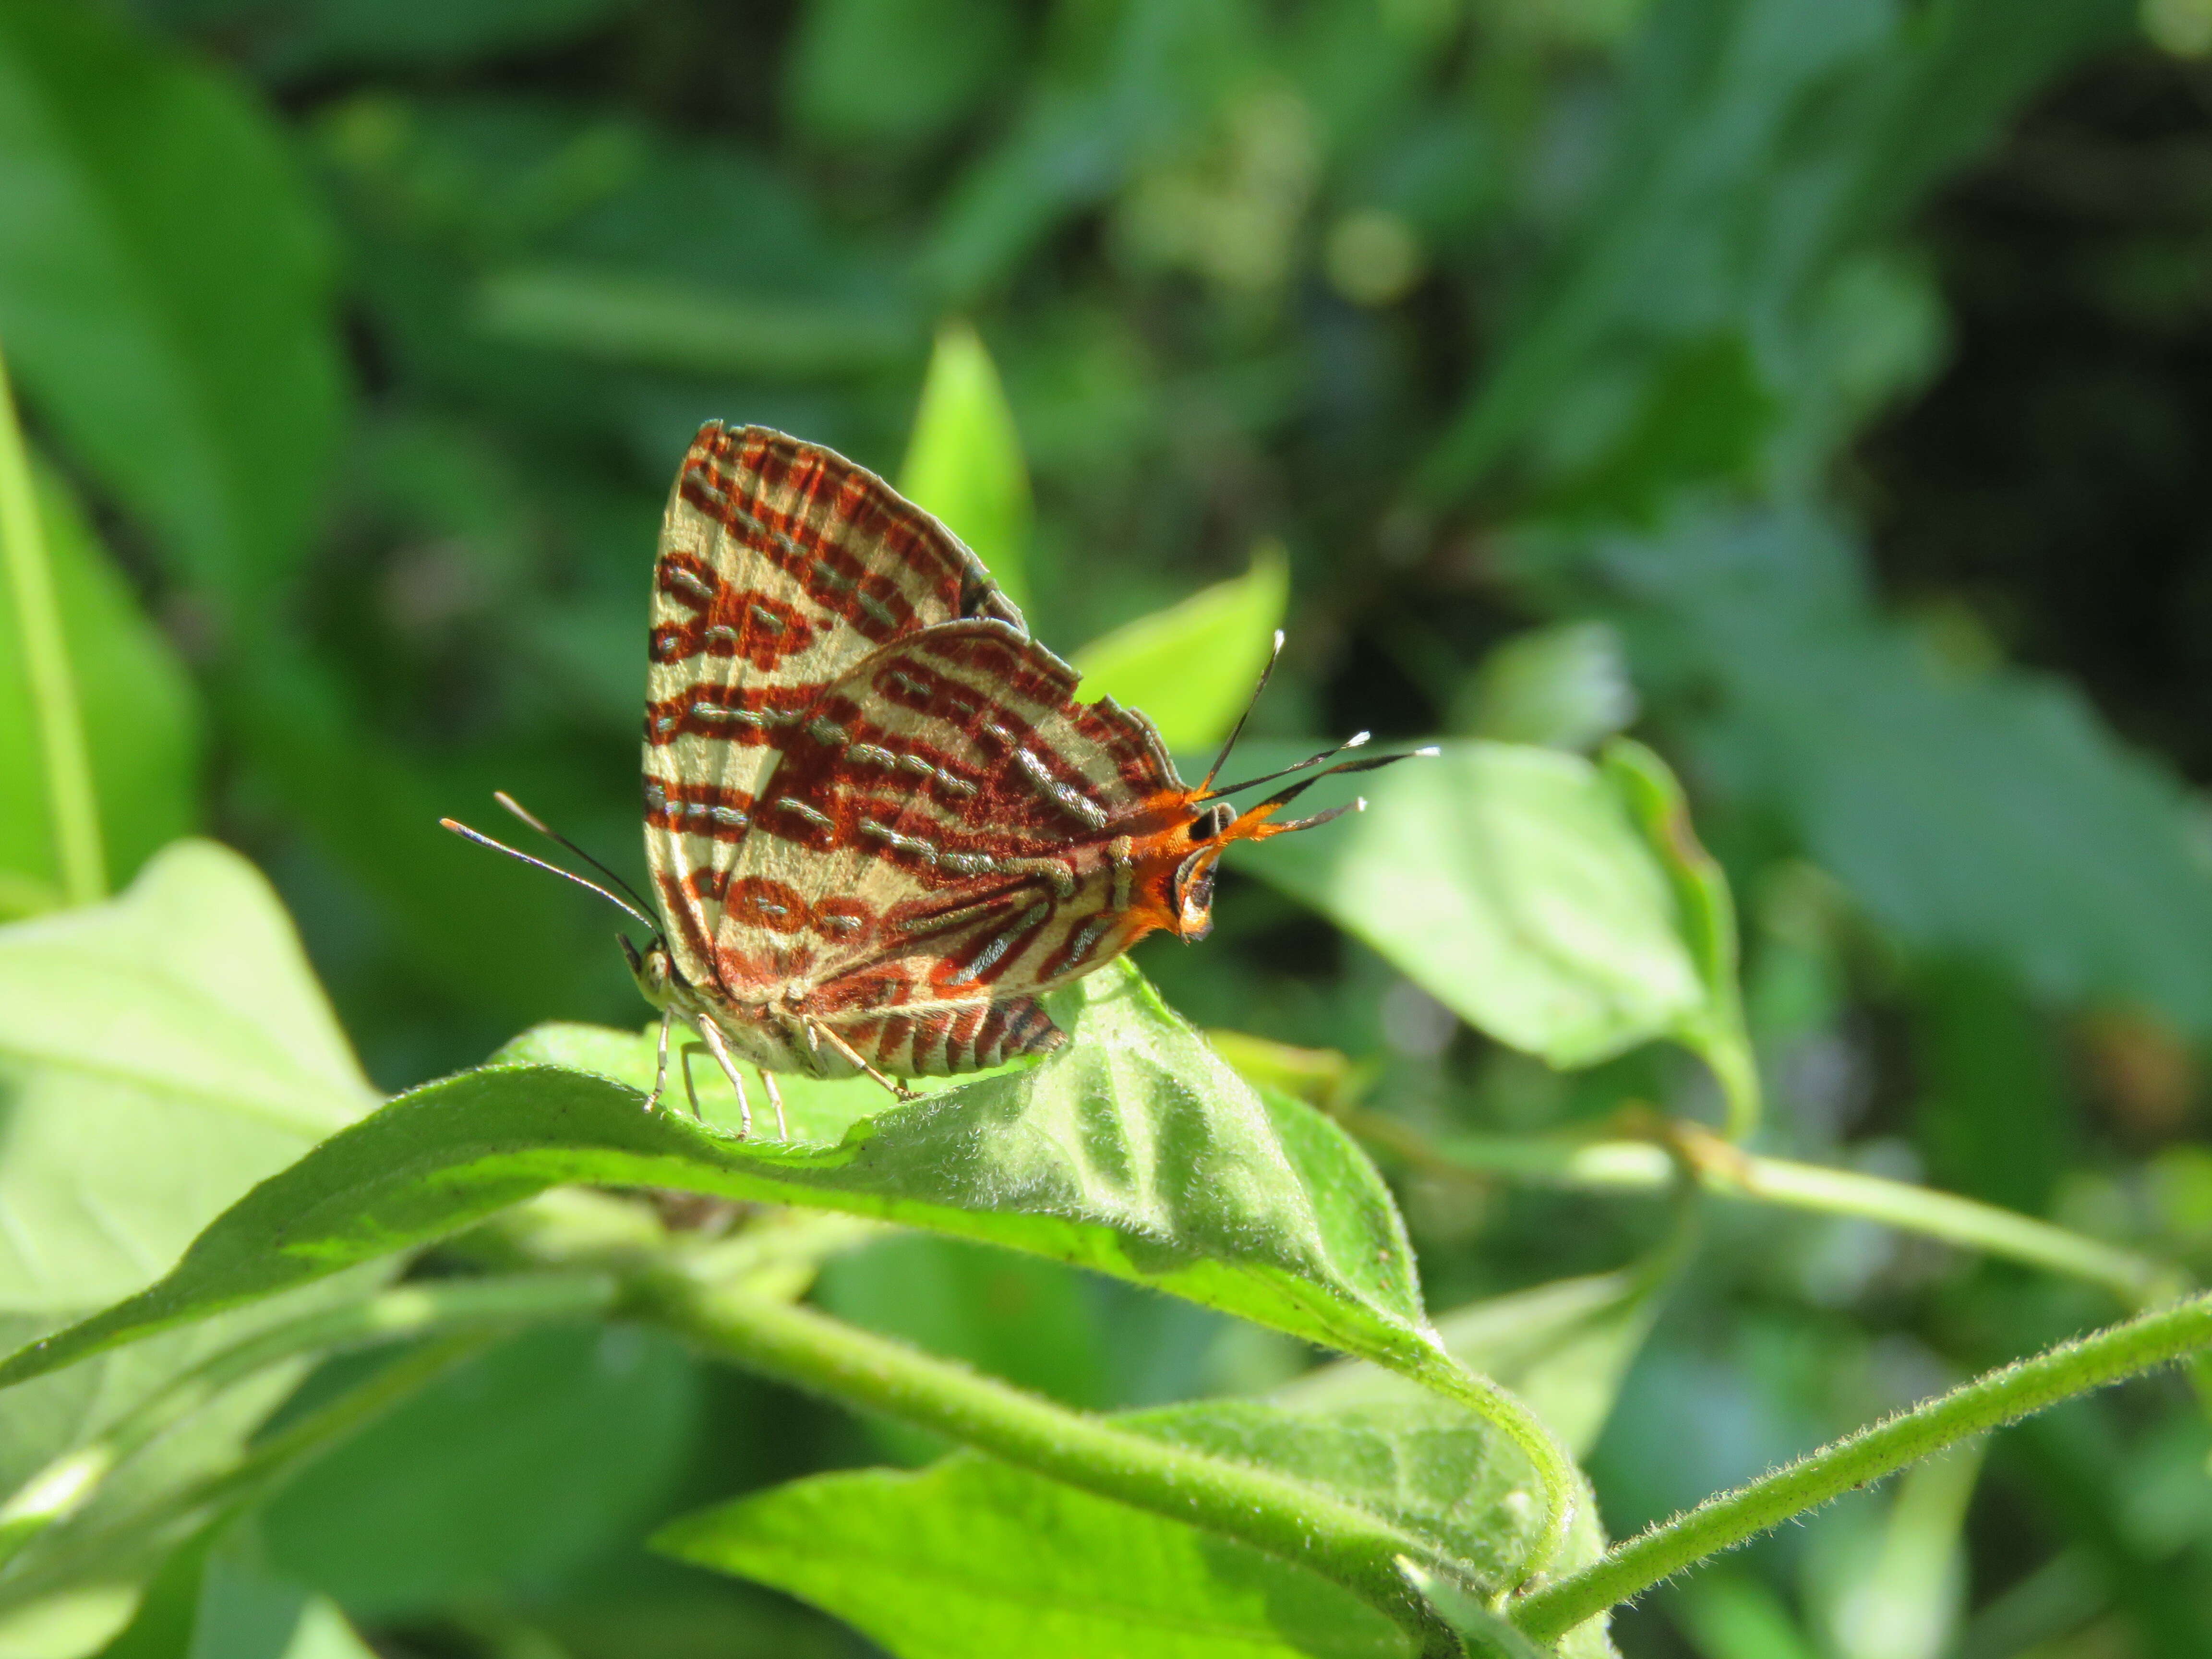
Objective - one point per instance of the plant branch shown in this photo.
(1624, 1165)
(1730, 1518)
(1285, 1518)
(72, 809)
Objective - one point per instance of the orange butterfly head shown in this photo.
(1182, 861)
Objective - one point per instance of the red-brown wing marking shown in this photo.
(940, 837)
(781, 565)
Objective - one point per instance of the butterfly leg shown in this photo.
(660, 1062)
(851, 1054)
(721, 1050)
(776, 1099)
(690, 1089)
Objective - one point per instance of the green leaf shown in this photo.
(1137, 1151)
(973, 1560)
(1564, 687)
(1563, 1347)
(1890, 1583)
(141, 717)
(1029, 1566)
(1972, 813)
(1484, 1633)
(963, 462)
(1706, 912)
(454, 1490)
(163, 295)
(1729, 1614)
(159, 1053)
(1510, 884)
(1192, 667)
(214, 1599)
(163, 1051)
(192, 982)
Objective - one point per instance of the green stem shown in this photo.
(65, 1485)
(1645, 1166)
(2002, 1396)
(1282, 1516)
(70, 803)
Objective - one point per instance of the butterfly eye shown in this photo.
(1210, 823)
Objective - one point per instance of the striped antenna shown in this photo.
(1237, 731)
(559, 839)
(1365, 764)
(1356, 740)
(614, 899)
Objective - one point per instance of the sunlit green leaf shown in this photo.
(141, 716)
(963, 462)
(164, 1051)
(1563, 1347)
(1136, 1151)
(159, 1053)
(973, 1560)
(1192, 667)
(1509, 884)
(164, 296)
(1705, 912)
(1564, 687)
(1049, 1569)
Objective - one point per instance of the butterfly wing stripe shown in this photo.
(946, 1040)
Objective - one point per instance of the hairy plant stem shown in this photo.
(1730, 1518)
(1653, 1165)
(1285, 1518)
(72, 810)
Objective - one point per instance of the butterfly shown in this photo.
(878, 824)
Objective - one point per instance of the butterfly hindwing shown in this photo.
(938, 841)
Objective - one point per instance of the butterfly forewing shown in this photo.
(781, 565)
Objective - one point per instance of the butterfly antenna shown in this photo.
(1365, 764)
(558, 839)
(1354, 741)
(1251, 702)
(614, 899)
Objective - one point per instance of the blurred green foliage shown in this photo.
(1519, 357)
